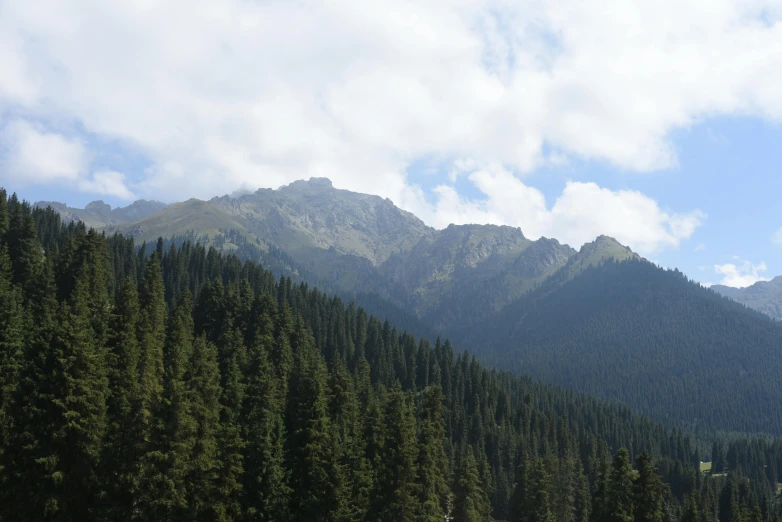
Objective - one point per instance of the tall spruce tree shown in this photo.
(471, 504)
(152, 335)
(265, 478)
(620, 505)
(396, 499)
(434, 493)
(172, 430)
(649, 491)
(124, 441)
(202, 379)
(312, 457)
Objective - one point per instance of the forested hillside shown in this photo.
(649, 338)
(181, 384)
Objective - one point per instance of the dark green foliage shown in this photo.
(188, 385)
(649, 491)
(665, 337)
(471, 503)
(619, 502)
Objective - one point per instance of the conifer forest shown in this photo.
(172, 382)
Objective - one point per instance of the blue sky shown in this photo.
(656, 122)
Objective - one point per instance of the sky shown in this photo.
(655, 122)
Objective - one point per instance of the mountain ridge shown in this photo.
(98, 214)
(601, 320)
(365, 244)
(763, 296)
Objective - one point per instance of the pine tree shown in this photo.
(124, 438)
(23, 245)
(58, 462)
(541, 487)
(203, 387)
(619, 489)
(12, 340)
(152, 335)
(396, 499)
(471, 504)
(434, 493)
(345, 415)
(649, 491)
(265, 478)
(311, 454)
(172, 429)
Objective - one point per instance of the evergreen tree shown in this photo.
(541, 487)
(124, 438)
(12, 315)
(434, 493)
(649, 491)
(471, 503)
(396, 497)
(619, 499)
(152, 336)
(312, 461)
(202, 379)
(265, 477)
(172, 429)
(58, 453)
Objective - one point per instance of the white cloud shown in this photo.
(776, 238)
(700, 247)
(219, 96)
(741, 273)
(580, 213)
(108, 182)
(239, 93)
(36, 156)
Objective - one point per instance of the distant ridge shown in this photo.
(763, 296)
(98, 214)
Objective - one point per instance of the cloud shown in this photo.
(32, 155)
(582, 212)
(700, 247)
(776, 238)
(741, 274)
(109, 182)
(218, 96)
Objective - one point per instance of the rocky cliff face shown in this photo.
(307, 217)
(486, 265)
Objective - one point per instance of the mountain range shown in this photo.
(599, 319)
(764, 296)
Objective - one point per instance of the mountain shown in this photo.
(599, 320)
(451, 274)
(192, 216)
(763, 296)
(188, 385)
(99, 214)
(364, 244)
(647, 337)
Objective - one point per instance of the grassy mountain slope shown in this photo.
(763, 296)
(647, 337)
(192, 216)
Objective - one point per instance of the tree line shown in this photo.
(177, 383)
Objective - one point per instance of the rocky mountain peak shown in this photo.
(98, 206)
(312, 185)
